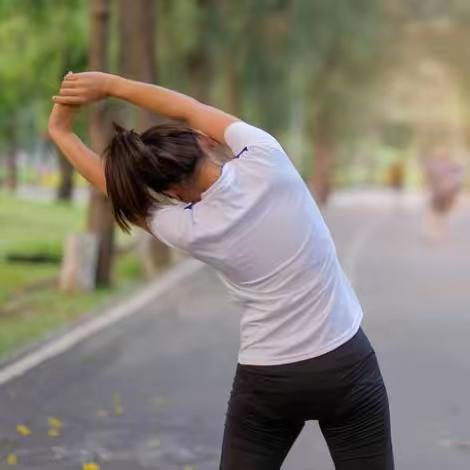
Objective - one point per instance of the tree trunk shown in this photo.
(198, 69)
(100, 218)
(323, 145)
(65, 188)
(137, 47)
(321, 180)
(11, 167)
(199, 62)
(137, 20)
(11, 170)
(230, 51)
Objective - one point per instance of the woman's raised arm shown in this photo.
(84, 160)
(85, 87)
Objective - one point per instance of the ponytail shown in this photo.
(138, 167)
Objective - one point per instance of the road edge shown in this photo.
(29, 357)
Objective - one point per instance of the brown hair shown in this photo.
(138, 165)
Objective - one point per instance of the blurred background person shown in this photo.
(444, 178)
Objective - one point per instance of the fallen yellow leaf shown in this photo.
(101, 413)
(12, 459)
(90, 466)
(54, 422)
(23, 430)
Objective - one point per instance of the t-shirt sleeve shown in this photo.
(240, 134)
(172, 225)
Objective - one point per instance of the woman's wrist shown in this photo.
(61, 120)
(113, 85)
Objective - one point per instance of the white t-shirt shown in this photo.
(260, 228)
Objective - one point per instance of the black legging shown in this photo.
(342, 389)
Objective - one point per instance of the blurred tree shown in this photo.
(49, 40)
(234, 28)
(199, 58)
(137, 60)
(428, 39)
(187, 44)
(137, 52)
(65, 186)
(100, 217)
(64, 48)
(249, 43)
(335, 46)
(11, 167)
(307, 68)
(444, 36)
(13, 98)
(263, 38)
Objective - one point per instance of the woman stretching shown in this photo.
(303, 355)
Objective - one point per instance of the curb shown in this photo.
(91, 323)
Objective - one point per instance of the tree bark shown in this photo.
(321, 180)
(100, 218)
(199, 63)
(198, 69)
(11, 170)
(65, 188)
(11, 167)
(323, 145)
(137, 60)
(137, 30)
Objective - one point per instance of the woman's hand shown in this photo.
(84, 87)
(61, 119)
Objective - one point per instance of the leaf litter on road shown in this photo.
(90, 466)
(23, 430)
(12, 459)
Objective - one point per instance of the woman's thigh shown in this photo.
(358, 433)
(256, 435)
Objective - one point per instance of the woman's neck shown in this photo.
(206, 175)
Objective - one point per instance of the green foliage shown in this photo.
(307, 65)
(184, 28)
(335, 48)
(267, 64)
(40, 40)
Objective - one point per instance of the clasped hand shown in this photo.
(76, 89)
(83, 88)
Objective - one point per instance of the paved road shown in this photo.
(151, 391)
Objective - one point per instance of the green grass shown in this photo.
(28, 227)
(47, 309)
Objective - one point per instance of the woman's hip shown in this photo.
(310, 386)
